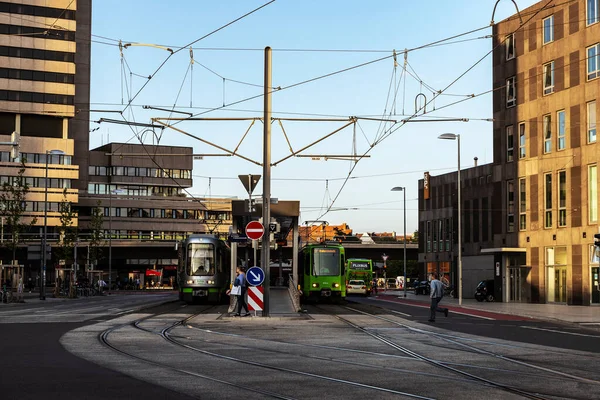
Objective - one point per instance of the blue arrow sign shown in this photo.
(255, 276)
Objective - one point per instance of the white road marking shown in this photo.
(401, 313)
(556, 331)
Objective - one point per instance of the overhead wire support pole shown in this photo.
(266, 245)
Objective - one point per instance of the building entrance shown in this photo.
(557, 284)
(517, 284)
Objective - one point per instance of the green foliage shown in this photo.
(12, 208)
(396, 268)
(97, 233)
(68, 233)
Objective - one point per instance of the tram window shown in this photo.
(201, 259)
(326, 262)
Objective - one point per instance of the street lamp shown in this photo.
(455, 136)
(45, 237)
(403, 189)
(110, 233)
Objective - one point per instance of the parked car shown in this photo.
(485, 291)
(422, 287)
(356, 287)
(391, 283)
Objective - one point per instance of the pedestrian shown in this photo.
(437, 292)
(241, 299)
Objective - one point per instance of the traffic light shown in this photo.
(597, 239)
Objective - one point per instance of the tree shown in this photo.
(415, 238)
(12, 208)
(68, 235)
(96, 233)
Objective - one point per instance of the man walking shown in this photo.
(437, 292)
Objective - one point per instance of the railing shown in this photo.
(294, 294)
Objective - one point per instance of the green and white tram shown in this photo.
(204, 269)
(321, 272)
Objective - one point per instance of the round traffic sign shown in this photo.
(255, 230)
(255, 276)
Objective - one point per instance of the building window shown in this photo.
(549, 77)
(510, 143)
(428, 236)
(522, 152)
(560, 128)
(548, 25)
(510, 47)
(591, 121)
(593, 193)
(522, 204)
(547, 133)
(548, 200)
(562, 198)
(510, 195)
(511, 96)
(435, 236)
(448, 233)
(592, 11)
(593, 61)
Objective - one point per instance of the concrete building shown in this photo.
(44, 97)
(142, 192)
(548, 75)
(543, 189)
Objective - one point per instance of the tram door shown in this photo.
(595, 285)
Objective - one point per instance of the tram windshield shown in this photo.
(201, 259)
(326, 262)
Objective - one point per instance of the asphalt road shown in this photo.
(36, 366)
(500, 326)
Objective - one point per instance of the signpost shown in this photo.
(384, 257)
(254, 230)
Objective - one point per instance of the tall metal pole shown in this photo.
(109, 238)
(460, 284)
(404, 285)
(44, 255)
(266, 256)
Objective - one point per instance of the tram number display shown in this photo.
(326, 251)
(200, 293)
(364, 266)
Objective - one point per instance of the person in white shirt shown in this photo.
(437, 292)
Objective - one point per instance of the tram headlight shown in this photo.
(315, 285)
(336, 285)
(190, 282)
(211, 282)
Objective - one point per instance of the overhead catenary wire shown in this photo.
(443, 90)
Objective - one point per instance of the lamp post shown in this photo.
(45, 237)
(455, 136)
(403, 189)
(110, 233)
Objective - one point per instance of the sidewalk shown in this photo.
(586, 315)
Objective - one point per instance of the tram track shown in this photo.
(453, 339)
(167, 336)
(175, 339)
(104, 339)
(509, 388)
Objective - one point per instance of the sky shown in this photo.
(331, 60)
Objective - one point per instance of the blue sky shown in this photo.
(228, 68)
